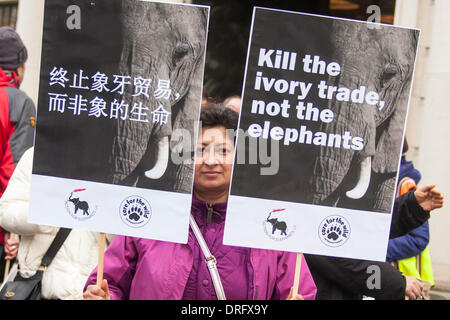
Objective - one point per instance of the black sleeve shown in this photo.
(407, 215)
(340, 278)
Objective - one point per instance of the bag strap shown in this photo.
(210, 260)
(55, 246)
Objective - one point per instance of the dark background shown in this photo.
(296, 160)
(229, 29)
(70, 146)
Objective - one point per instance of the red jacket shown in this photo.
(17, 122)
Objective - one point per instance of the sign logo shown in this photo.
(334, 231)
(276, 227)
(77, 205)
(135, 211)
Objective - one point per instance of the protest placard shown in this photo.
(321, 130)
(119, 102)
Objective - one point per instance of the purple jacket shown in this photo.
(143, 269)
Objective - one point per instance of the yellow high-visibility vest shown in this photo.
(418, 266)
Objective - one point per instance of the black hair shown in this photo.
(214, 114)
(405, 146)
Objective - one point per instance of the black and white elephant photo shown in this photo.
(161, 42)
(381, 59)
(158, 51)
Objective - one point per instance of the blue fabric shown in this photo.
(407, 170)
(417, 240)
(408, 245)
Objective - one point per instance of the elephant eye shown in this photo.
(180, 51)
(389, 72)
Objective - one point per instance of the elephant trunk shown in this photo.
(162, 48)
(162, 160)
(335, 165)
(162, 131)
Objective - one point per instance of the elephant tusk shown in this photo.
(160, 166)
(364, 180)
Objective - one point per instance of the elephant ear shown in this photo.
(188, 109)
(391, 124)
(185, 128)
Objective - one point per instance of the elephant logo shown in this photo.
(334, 231)
(275, 228)
(135, 211)
(79, 209)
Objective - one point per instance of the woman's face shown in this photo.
(214, 160)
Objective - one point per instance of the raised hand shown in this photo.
(429, 198)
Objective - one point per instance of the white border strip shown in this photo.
(246, 225)
(169, 219)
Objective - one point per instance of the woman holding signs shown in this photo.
(136, 268)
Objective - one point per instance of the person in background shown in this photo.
(349, 279)
(136, 268)
(17, 119)
(205, 96)
(410, 253)
(233, 102)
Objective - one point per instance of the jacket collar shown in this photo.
(407, 170)
(200, 210)
(8, 78)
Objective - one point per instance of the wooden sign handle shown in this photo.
(298, 267)
(7, 266)
(101, 256)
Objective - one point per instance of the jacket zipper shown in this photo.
(209, 215)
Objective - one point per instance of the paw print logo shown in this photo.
(334, 231)
(135, 211)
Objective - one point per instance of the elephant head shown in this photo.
(163, 43)
(381, 60)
